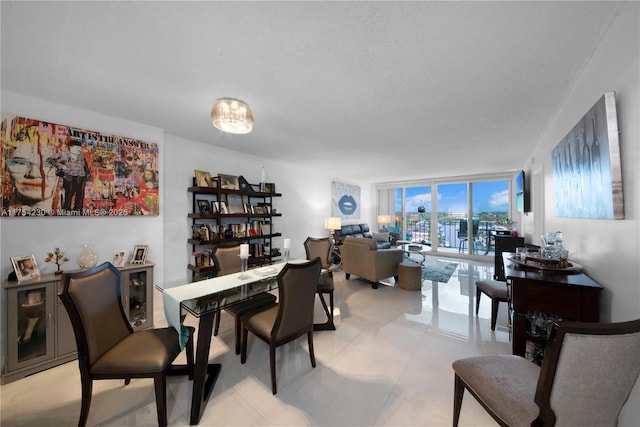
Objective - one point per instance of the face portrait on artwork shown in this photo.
(34, 178)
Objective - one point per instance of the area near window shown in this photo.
(458, 216)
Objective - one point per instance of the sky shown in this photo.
(490, 196)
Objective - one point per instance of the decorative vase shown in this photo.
(88, 257)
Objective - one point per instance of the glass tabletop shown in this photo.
(216, 301)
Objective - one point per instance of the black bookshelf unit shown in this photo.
(246, 217)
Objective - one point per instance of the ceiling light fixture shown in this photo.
(232, 116)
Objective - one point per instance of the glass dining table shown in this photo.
(202, 300)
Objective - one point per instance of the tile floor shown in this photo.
(387, 364)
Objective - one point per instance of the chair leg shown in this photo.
(160, 382)
(87, 387)
(243, 352)
(331, 303)
(312, 354)
(458, 393)
(190, 354)
(272, 363)
(238, 334)
(494, 313)
(478, 293)
(216, 326)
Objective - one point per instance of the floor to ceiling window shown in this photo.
(467, 212)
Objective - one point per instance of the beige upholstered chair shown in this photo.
(227, 260)
(361, 257)
(107, 346)
(321, 248)
(586, 377)
(291, 318)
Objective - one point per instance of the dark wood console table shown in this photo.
(572, 295)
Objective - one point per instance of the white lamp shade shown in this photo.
(384, 219)
(333, 223)
(232, 116)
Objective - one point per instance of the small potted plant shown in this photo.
(57, 257)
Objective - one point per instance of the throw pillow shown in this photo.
(381, 237)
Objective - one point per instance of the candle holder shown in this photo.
(243, 267)
(285, 256)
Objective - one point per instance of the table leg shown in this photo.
(205, 374)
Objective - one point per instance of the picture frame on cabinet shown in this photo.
(203, 178)
(25, 267)
(118, 258)
(235, 204)
(139, 254)
(228, 182)
(204, 207)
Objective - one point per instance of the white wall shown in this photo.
(608, 249)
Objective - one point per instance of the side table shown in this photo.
(409, 276)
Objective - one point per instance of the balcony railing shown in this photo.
(450, 236)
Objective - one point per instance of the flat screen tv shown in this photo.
(522, 204)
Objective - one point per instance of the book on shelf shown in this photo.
(266, 228)
(201, 259)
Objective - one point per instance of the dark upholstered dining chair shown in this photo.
(226, 260)
(107, 346)
(498, 292)
(322, 248)
(291, 318)
(586, 376)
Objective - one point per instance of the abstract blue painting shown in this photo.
(587, 177)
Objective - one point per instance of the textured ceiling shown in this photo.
(375, 91)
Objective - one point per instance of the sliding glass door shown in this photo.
(452, 217)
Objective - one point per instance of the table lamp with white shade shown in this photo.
(384, 221)
(332, 224)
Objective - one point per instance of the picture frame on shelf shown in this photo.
(228, 182)
(204, 206)
(214, 207)
(139, 254)
(203, 178)
(270, 187)
(244, 184)
(119, 258)
(235, 203)
(25, 267)
(223, 207)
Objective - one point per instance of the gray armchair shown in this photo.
(361, 257)
(586, 376)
